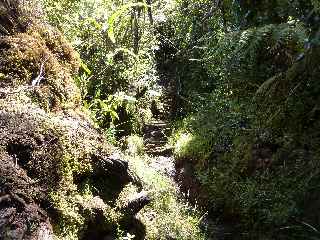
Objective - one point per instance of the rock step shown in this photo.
(166, 152)
(156, 146)
(157, 124)
(155, 142)
(156, 133)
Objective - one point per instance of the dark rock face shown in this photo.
(189, 184)
(21, 216)
(109, 176)
(10, 17)
(262, 157)
(50, 152)
(136, 204)
(38, 157)
(22, 191)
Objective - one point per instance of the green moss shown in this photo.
(167, 216)
(260, 163)
(55, 143)
(62, 148)
(25, 55)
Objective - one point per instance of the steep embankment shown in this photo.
(57, 175)
(250, 134)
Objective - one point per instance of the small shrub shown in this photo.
(134, 145)
(167, 216)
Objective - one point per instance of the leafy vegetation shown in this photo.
(240, 77)
(167, 216)
(116, 45)
(247, 128)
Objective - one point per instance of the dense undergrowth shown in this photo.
(116, 42)
(250, 120)
(60, 176)
(168, 215)
(245, 137)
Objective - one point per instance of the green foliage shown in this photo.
(211, 129)
(254, 55)
(113, 64)
(167, 216)
(105, 111)
(246, 76)
(134, 145)
(118, 13)
(259, 94)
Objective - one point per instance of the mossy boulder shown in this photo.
(57, 174)
(42, 62)
(57, 165)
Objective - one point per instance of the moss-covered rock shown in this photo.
(57, 176)
(43, 62)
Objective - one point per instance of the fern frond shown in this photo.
(268, 84)
(245, 58)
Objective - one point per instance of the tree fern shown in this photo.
(118, 13)
(250, 56)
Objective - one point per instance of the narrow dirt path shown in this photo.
(157, 131)
(156, 134)
(156, 142)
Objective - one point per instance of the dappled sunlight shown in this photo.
(159, 120)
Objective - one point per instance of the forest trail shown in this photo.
(156, 143)
(158, 130)
(156, 135)
(162, 160)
